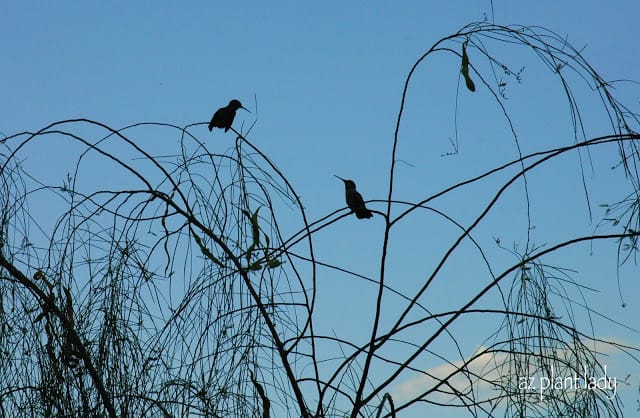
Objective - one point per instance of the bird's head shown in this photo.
(349, 184)
(235, 105)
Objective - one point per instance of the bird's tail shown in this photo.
(363, 213)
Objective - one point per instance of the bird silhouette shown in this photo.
(223, 118)
(354, 200)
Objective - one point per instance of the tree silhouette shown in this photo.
(170, 288)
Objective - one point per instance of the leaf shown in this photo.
(255, 228)
(205, 251)
(464, 69)
(273, 263)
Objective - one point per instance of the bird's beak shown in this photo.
(339, 177)
(242, 107)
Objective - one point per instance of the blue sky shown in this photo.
(327, 81)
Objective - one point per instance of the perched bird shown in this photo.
(223, 118)
(354, 200)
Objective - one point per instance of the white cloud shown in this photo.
(484, 372)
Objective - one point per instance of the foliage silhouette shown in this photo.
(173, 288)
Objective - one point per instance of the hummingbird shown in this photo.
(223, 118)
(354, 200)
